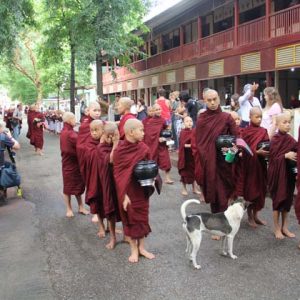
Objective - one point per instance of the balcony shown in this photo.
(282, 23)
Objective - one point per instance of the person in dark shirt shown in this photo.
(191, 105)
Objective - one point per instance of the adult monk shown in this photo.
(186, 161)
(255, 167)
(217, 176)
(281, 179)
(124, 106)
(158, 148)
(91, 171)
(37, 132)
(107, 195)
(72, 180)
(30, 120)
(133, 199)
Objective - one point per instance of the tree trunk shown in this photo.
(99, 75)
(72, 79)
(39, 91)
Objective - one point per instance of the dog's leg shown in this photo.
(196, 241)
(188, 244)
(230, 247)
(224, 252)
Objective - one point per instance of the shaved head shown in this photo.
(132, 124)
(156, 106)
(234, 115)
(94, 105)
(67, 117)
(96, 124)
(256, 110)
(126, 102)
(210, 92)
(110, 128)
(283, 116)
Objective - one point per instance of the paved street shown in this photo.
(43, 255)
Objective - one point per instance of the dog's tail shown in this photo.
(185, 204)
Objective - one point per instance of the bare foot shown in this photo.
(278, 234)
(118, 231)
(252, 223)
(184, 192)
(111, 245)
(101, 234)
(126, 239)
(146, 254)
(95, 219)
(169, 181)
(83, 211)
(69, 214)
(215, 237)
(287, 233)
(259, 221)
(134, 257)
(197, 192)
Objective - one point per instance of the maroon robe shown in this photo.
(186, 162)
(254, 168)
(90, 166)
(238, 170)
(136, 219)
(158, 151)
(297, 202)
(122, 123)
(83, 135)
(218, 182)
(72, 180)
(107, 198)
(281, 181)
(198, 169)
(29, 122)
(37, 132)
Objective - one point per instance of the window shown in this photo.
(171, 40)
(190, 32)
(154, 49)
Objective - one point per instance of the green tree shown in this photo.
(14, 15)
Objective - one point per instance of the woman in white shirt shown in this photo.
(272, 109)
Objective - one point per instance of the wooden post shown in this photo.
(268, 79)
(181, 37)
(236, 21)
(268, 13)
(199, 34)
(237, 84)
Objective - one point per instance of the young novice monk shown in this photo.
(255, 167)
(72, 180)
(107, 198)
(91, 169)
(297, 202)
(133, 199)
(281, 180)
(186, 162)
(158, 147)
(124, 106)
(94, 113)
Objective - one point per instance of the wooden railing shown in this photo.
(285, 22)
(217, 42)
(252, 32)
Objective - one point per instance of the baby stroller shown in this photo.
(9, 177)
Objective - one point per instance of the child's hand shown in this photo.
(187, 145)
(262, 152)
(126, 202)
(161, 139)
(224, 150)
(291, 155)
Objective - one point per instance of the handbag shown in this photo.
(9, 176)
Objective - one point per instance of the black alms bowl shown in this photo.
(265, 145)
(167, 134)
(145, 169)
(292, 165)
(225, 141)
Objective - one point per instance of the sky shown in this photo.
(160, 6)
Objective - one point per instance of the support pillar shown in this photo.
(276, 80)
(269, 79)
(236, 21)
(237, 84)
(268, 13)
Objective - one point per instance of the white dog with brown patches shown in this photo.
(225, 224)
